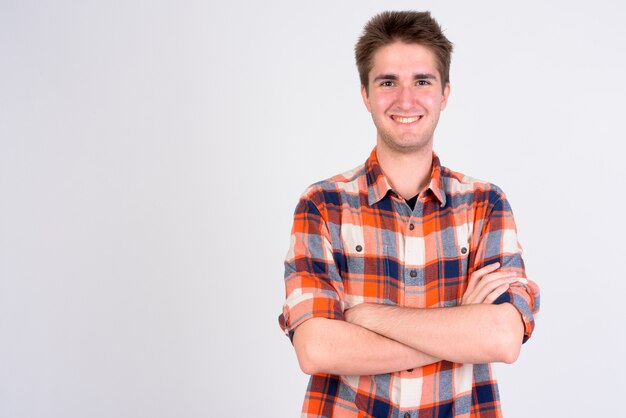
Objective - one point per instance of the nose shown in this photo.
(406, 97)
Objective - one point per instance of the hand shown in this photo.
(352, 314)
(486, 284)
(359, 314)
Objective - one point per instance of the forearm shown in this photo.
(338, 347)
(480, 333)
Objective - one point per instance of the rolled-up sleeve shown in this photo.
(313, 284)
(499, 243)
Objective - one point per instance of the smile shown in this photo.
(405, 119)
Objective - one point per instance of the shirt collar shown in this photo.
(378, 186)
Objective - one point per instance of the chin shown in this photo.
(406, 145)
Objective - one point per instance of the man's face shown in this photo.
(405, 96)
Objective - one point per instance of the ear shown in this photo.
(365, 98)
(444, 97)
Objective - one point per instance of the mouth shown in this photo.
(405, 119)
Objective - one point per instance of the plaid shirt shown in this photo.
(354, 240)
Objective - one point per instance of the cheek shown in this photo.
(432, 101)
(381, 103)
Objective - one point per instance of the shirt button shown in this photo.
(463, 250)
(407, 415)
(413, 273)
(411, 227)
(359, 248)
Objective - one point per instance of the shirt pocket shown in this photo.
(365, 280)
(453, 264)
(391, 269)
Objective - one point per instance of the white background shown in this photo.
(152, 153)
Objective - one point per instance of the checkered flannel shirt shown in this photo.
(354, 240)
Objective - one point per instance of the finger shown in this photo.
(485, 288)
(478, 274)
(497, 293)
(485, 270)
(495, 276)
(478, 286)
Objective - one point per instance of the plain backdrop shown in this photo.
(152, 154)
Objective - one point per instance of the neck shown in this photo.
(409, 173)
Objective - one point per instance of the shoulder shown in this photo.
(333, 189)
(456, 184)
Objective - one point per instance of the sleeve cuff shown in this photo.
(524, 309)
(311, 307)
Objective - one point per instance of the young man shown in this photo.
(404, 279)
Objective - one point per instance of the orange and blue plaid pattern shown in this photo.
(354, 240)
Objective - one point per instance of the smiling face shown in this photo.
(405, 96)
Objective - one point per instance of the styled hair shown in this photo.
(409, 27)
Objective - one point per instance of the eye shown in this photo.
(386, 83)
(423, 83)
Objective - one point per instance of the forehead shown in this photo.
(403, 59)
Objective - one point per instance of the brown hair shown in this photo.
(410, 27)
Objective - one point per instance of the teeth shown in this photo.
(406, 120)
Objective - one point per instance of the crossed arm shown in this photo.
(378, 339)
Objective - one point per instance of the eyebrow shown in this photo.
(424, 76)
(394, 77)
